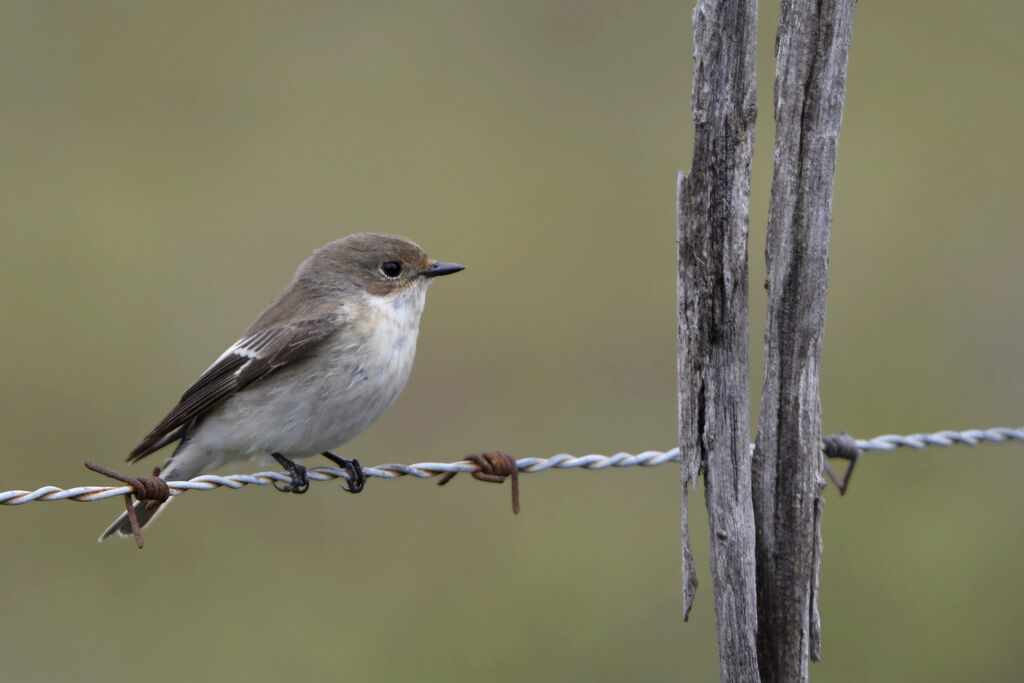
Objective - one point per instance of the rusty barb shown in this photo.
(493, 467)
(144, 488)
(844, 447)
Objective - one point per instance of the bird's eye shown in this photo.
(391, 268)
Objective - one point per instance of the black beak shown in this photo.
(440, 268)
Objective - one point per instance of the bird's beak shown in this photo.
(439, 268)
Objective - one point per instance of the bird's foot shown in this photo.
(357, 478)
(300, 482)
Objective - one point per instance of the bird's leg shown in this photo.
(357, 477)
(300, 483)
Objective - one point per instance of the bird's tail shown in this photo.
(145, 510)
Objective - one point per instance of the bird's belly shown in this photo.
(299, 412)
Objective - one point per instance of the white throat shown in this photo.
(402, 309)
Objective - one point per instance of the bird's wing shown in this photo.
(247, 361)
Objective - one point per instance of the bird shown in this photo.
(325, 359)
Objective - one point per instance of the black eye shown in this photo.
(391, 268)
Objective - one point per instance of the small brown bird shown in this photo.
(328, 356)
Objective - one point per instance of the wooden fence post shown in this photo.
(714, 389)
(810, 87)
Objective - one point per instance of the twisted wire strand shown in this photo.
(425, 470)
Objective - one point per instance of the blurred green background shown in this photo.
(165, 168)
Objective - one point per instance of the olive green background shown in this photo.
(166, 166)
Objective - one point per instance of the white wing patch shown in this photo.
(249, 347)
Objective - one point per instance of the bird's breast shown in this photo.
(361, 377)
(326, 399)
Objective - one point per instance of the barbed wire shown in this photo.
(967, 437)
(425, 470)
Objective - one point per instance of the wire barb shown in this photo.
(151, 488)
(493, 467)
(844, 447)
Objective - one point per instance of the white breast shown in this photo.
(321, 402)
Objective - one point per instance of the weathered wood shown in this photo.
(810, 86)
(714, 390)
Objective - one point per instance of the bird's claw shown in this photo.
(357, 478)
(300, 482)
